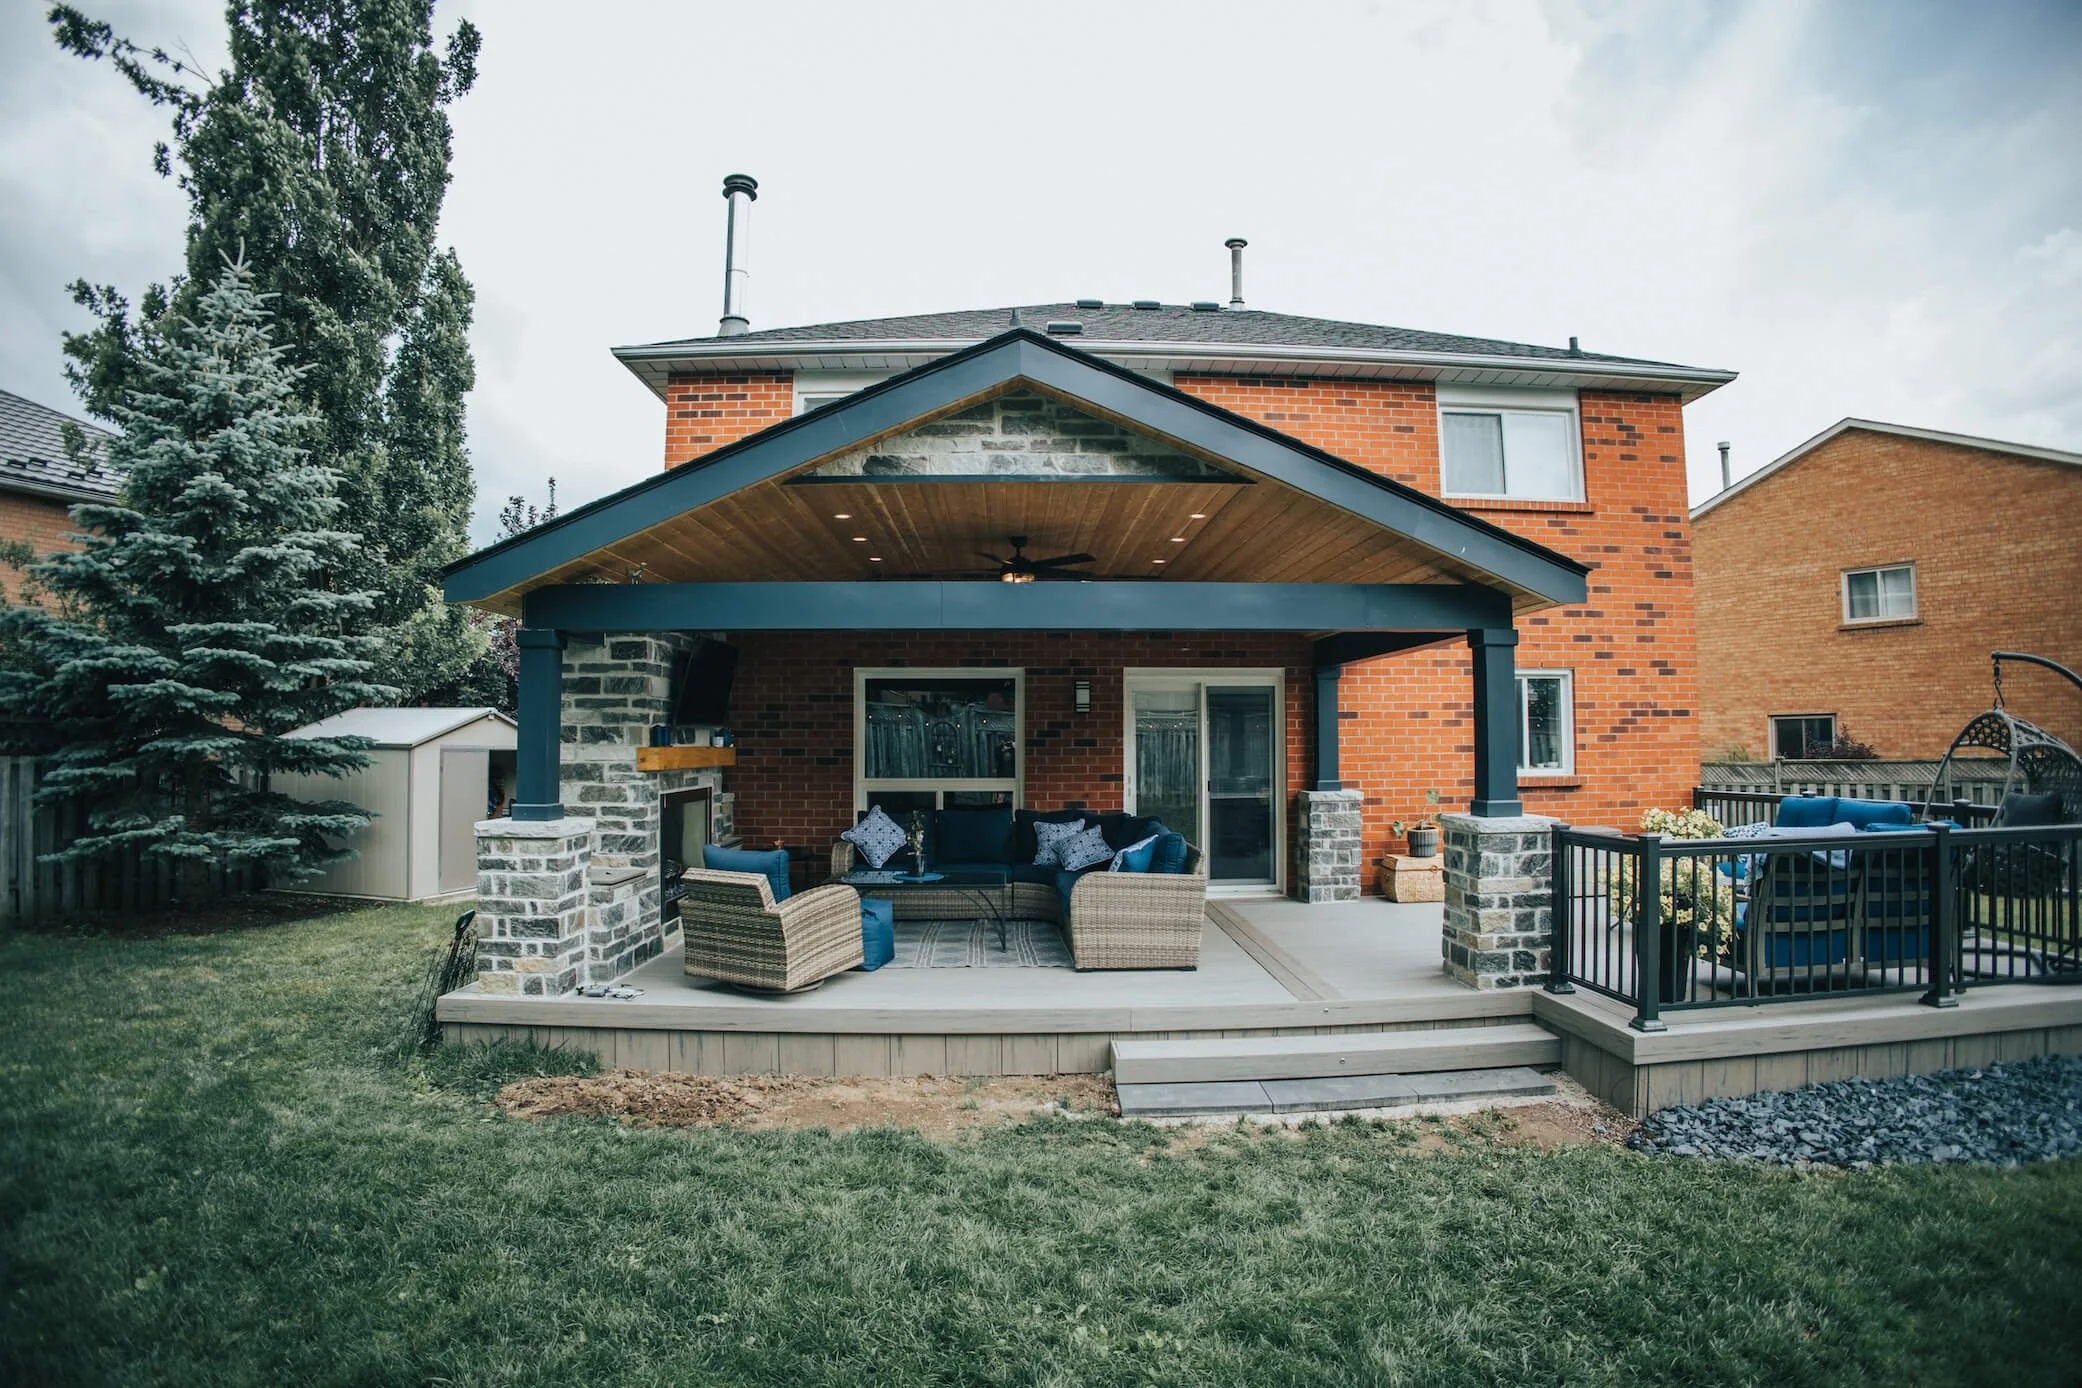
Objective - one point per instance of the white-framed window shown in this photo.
(930, 739)
(1798, 735)
(1883, 594)
(1515, 445)
(815, 388)
(1546, 721)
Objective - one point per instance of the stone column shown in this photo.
(531, 904)
(1326, 848)
(618, 934)
(1499, 892)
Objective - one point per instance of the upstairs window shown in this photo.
(1879, 595)
(1505, 445)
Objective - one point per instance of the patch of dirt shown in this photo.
(933, 1105)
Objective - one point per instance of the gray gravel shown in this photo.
(2024, 1111)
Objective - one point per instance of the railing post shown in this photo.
(1561, 912)
(1648, 937)
(1944, 921)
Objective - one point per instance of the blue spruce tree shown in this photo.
(164, 660)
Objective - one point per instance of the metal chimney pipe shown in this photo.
(1726, 482)
(734, 275)
(1236, 245)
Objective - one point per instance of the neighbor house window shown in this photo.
(1879, 595)
(807, 402)
(1803, 735)
(927, 739)
(814, 389)
(1546, 721)
(1515, 445)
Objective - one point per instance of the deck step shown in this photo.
(1206, 1099)
(1345, 1053)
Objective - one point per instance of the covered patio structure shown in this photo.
(842, 544)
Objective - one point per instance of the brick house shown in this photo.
(40, 480)
(1416, 572)
(1855, 587)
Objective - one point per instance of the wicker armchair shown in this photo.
(1139, 920)
(736, 932)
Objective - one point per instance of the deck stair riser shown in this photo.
(1321, 1057)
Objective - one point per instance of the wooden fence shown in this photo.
(1979, 780)
(32, 890)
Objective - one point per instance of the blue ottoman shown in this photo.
(877, 933)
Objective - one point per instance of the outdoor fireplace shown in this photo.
(686, 821)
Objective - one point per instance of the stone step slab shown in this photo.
(1227, 1098)
(1318, 1057)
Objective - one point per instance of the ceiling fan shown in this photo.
(1020, 569)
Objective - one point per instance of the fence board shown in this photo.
(1977, 779)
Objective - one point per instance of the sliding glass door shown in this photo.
(1206, 756)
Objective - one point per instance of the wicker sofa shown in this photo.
(734, 930)
(1114, 920)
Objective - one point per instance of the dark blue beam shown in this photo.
(1496, 724)
(989, 606)
(1327, 729)
(537, 789)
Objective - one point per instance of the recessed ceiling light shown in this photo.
(860, 539)
(874, 559)
(1178, 539)
(842, 515)
(1197, 515)
(1156, 561)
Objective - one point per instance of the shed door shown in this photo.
(465, 784)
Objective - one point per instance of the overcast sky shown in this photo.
(1865, 208)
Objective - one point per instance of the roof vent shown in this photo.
(736, 186)
(1091, 303)
(1147, 304)
(1206, 306)
(1236, 245)
(1575, 348)
(1066, 328)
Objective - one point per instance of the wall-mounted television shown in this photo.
(703, 695)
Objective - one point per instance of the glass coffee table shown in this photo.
(964, 887)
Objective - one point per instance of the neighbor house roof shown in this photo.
(571, 548)
(398, 727)
(1874, 426)
(1173, 337)
(33, 457)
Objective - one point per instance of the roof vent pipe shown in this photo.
(734, 245)
(1726, 482)
(1236, 245)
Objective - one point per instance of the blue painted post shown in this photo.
(1327, 728)
(538, 792)
(1496, 724)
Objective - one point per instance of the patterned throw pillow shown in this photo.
(1049, 837)
(877, 837)
(1084, 849)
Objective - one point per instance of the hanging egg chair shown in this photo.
(2039, 762)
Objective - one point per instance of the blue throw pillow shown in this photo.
(1170, 855)
(1865, 812)
(773, 864)
(1136, 857)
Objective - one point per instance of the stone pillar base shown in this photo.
(1403, 878)
(619, 933)
(1499, 889)
(1326, 849)
(531, 904)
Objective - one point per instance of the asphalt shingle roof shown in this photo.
(1164, 323)
(32, 449)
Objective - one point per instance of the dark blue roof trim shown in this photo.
(1017, 355)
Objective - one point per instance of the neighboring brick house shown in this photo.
(1498, 455)
(1856, 586)
(40, 480)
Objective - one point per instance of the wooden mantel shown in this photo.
(683, 758)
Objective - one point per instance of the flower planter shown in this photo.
(1424, 843)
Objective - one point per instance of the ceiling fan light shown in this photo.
(1016, 576)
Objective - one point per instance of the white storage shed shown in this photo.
(432, 774)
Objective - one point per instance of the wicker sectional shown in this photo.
(1118, 920)
(735, 931)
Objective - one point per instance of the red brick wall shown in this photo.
(40, 523)
(793, 713)
(1998, 567)
(1630, 647)
(705, 412)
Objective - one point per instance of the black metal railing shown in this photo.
(1666, 924)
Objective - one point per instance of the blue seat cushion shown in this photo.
(1031, 872)
(1866, 813)
(973, 836)
(773, 863)
(1806, 811)
(1171, 853)
(1066, 882)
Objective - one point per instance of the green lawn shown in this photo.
(218, 1165)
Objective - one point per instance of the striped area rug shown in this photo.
(974, 945)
